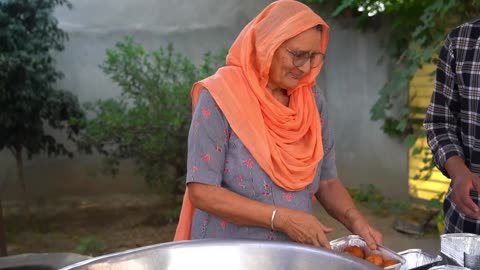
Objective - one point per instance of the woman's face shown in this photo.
(285, 71)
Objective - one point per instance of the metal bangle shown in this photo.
(273, 218)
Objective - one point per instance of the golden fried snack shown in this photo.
(354, 251)
(387, 263)
(375, 259)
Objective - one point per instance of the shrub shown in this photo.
(149, 121)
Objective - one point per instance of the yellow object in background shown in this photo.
(421, 88)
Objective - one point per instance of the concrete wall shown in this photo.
(351, 78)
(354, 75)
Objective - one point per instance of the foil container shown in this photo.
(458, 246)
(417, 259)
(354, 240)
(471, 261)
(448, 267)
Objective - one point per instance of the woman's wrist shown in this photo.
(280, 219)
(272, 218)
(346, 214)
(352, 215)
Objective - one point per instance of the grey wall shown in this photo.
(193, 27)
(354, 75)
(351, 79)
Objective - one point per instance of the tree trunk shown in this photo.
(19, 159)
(21, 179)
(3, 236)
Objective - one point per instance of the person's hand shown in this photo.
(372, 237)
(302, 227)
(461, 186)
(359, 225)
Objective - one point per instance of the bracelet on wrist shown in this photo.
(272, 219)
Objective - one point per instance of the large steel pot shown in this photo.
(225, 254)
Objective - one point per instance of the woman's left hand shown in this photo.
(371, 236)
(359, 226)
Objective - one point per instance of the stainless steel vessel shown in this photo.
(225, 254)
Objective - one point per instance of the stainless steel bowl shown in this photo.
(225, 254)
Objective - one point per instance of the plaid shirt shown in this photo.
(453, 117)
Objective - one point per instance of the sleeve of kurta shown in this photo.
(328, 167)
(442, 119)
(207, 142)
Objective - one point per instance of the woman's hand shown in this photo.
(359, 226)
(302, 227)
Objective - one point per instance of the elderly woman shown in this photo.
(260, 146)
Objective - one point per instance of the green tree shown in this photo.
(149, 121)
(3, 236)
(30, 101)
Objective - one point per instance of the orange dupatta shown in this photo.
(285, 141)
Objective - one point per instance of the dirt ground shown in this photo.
(102, 225)
(95, 225)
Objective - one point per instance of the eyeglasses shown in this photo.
(300, 58)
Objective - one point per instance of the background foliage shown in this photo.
(149, 121)
(32, 105)
(29, 98)
(417, 30)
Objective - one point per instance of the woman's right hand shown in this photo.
(302, 227)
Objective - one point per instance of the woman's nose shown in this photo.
(305, 68)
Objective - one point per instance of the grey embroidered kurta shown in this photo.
(216, 156)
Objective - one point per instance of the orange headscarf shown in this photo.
(285, 141)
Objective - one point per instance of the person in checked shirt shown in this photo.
(453, 126)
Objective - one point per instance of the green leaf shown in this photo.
(416, 150)
(344, 5)
(410, 140)
(402, 125)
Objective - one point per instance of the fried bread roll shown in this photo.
(376, 259)
(355, 251)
